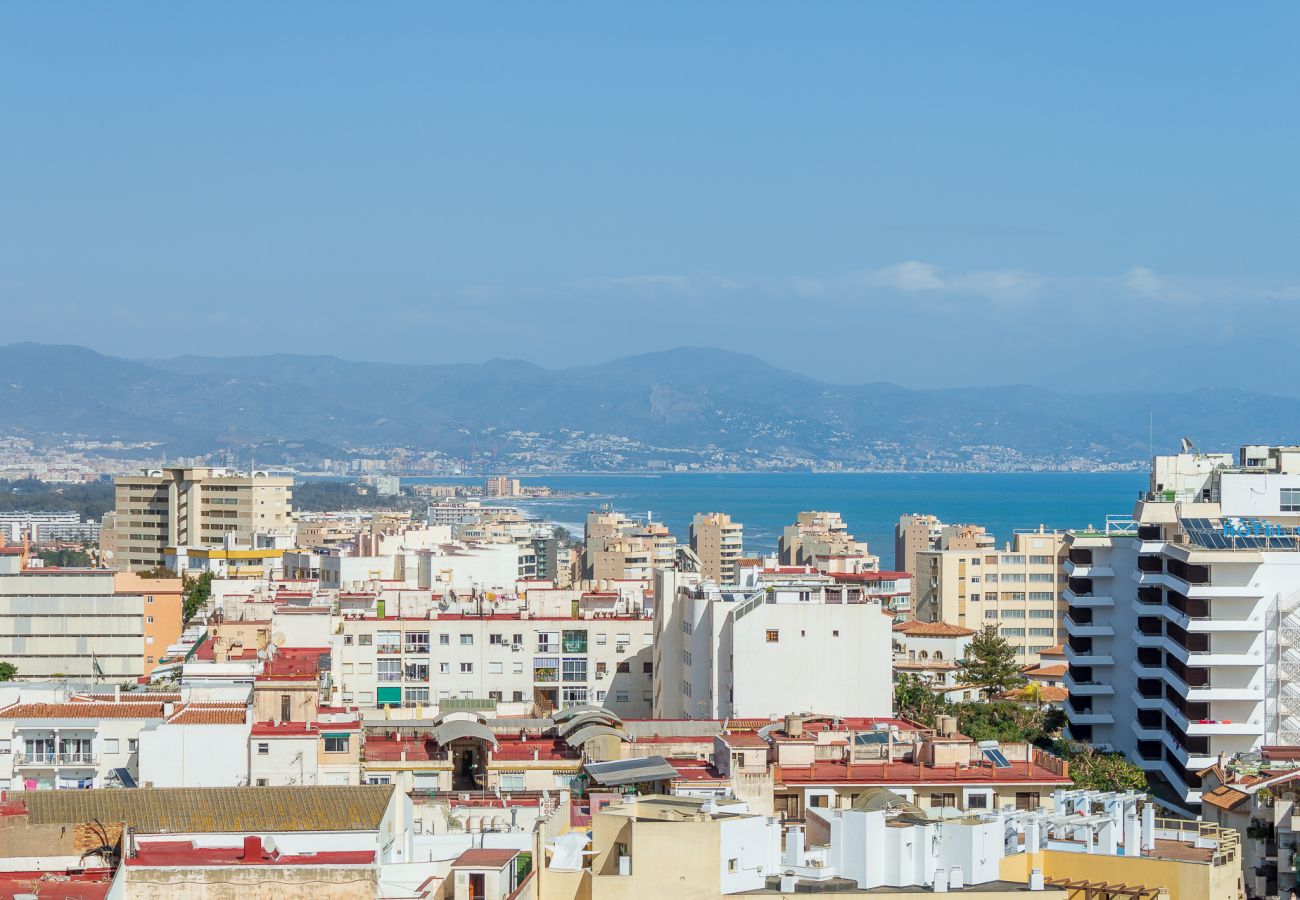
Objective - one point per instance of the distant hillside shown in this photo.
(689, 403)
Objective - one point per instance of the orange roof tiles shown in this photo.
(86, 710)
(913, 628)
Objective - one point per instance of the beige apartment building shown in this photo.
(622, 549)
(916, 532)
(719, 543)
(194, 507)
(1018, 589)
(821, 539)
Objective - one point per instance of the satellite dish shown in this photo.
(261, 653)
(278, 639)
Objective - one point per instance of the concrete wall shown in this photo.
(194, 755)
(258, 882)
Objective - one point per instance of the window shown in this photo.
(467, 668)
(648, 668)
(1040, 632)
(548, 642)
(444, 640)
(546, 669)
(132, 745)
(1041, 560)
(1013, 613)
(977, 801)
(574, 668)
(939, 801)
(575, 641)
(336, 744)
(773, 635)
(1290, 498)
(975, 598)
(149, 599)
(467, 640)
(444, 668)
(390, 670)
(686, 688)
(512, 781)
(1041, 613)
(286, 708)
(686, 658)
(625, 667)
(835, 633)
(733, 865)
(149, 619)
(573, 696)
(600, 639)
(417, 642)
(263, 749)
(347, 640)
(990, 613)
(517, 697)
(496, 668)
(262, 782)
(416, 696)
(1041, 577)
(365, 640)
(620, 696)
(1013, 632)
(517, 667)
(494, 695)
(496, 640)
(111, 745)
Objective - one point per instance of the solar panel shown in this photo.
(995, 756)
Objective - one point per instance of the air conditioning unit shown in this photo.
(600, 676)
(620, 648)
(516, 648)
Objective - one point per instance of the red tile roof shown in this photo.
(910, 773)
(87, 710)
(740, 741)
(285, 729)
(160, 854)
(913, 628)
(696, 770)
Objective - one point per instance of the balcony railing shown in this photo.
(35, 759)
(77, 759)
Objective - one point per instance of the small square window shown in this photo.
(773, 636)
(263, 749)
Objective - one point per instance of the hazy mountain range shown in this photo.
(673, 405)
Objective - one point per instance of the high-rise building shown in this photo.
(195, 507)
(1018, 589)
(822, 540)
(501, 486)
(620, 548)
(916, 532)
(718, 542)
(1184, 620)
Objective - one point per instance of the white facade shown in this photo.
(552, 663)
(182, 755)
(464, 567)
(766, 650)
(1184, 624)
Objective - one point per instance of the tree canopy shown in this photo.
(990, 664)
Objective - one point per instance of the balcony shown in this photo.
(1083, 626)
(1082, 712)
(1211, 727)
(1087, 688)
(50, 760)
(44, 760)
(1086, 655)
(78, 759)
(1087, 570)
(388, 649)
(1087, 601)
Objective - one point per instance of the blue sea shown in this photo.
(869, 502)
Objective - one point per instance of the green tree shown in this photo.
(990, 664)
(1094, 770)
(196, 592)
(74, 559)
(914, 699)
(8, 671)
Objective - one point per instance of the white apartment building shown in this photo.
(194, 507)
(46, 526)
(548, 663)
(1018, 589)
(84, 623)
(465, 567)
(765, 649)
(1184, 622)
(718, 542)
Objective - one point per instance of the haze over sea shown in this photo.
(869, 502)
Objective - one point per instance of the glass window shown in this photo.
(495, 668)
(417, 642)
(263, 749)
(467, 668)
(336, 744)
(546, 669)
(389, 670)
(773, 636)
(575, 641)
(466, 640)
(1290, 498)
(365, 640)
(575, 668)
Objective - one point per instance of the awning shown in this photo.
(463, 728)
(388, 695)
(630, 771)
(603, 717)
(336, 734)
(594, 730)
(570, 711)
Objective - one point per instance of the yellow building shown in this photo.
(1017, 589)
(719, 543)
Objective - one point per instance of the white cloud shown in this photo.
(909, 276)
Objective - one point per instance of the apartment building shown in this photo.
(718, 542)
(1184, 620)
(767, 647)
(547, 663)
(41, 527)
(84, 623)
(195, 507)
(916, 532)
(1018, 589)
(619, 548)
(822, 540)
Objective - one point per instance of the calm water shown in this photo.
(869, 503)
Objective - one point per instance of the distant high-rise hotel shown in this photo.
(194, 507)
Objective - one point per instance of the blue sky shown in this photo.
(933, 194)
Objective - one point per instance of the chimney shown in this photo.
(252, 847)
